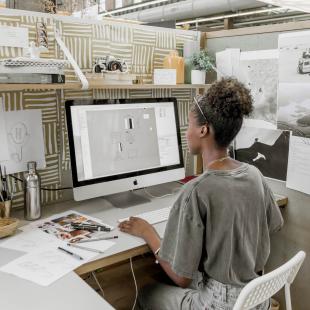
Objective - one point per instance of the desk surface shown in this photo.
(17, 293)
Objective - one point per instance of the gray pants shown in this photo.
(208, 295)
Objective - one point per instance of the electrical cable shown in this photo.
(158, 197)
(135, 281)
(42, 188)
(97, 282)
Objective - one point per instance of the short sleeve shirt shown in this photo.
(220, 225)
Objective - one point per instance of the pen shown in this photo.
(83, 248)
(91, 227)
(71, 253)
(97, 239)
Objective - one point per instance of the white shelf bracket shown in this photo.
(77, 70)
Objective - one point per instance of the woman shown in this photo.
(220, 223)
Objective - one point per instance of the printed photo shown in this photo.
(266, 149)
(294, 108)
(294, 57)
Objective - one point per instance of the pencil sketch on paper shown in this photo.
(19, 136)
(24, 132)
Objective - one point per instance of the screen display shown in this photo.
(116, 139)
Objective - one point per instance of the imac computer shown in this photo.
(121, 145)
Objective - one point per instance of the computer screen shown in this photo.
(123, 141)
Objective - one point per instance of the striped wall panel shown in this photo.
(13, 101)
(166, 40)
(121, 34)
(142, 49)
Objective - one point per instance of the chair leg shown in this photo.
(288, 297)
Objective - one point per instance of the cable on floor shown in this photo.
(135, 281)
(152, 196)
(97, 282)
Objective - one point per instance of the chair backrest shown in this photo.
(260, 289)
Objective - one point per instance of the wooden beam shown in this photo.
(228, 23)
(259, 29)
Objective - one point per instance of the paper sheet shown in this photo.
(59, 226)
(25, 140)
(258, 70)
(4, 153)
(46, 265)
(267, 149)
(227, 63)
(298, 174)
(14, 36)
(29, 241)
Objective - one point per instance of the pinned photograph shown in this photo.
(294, 108)
(259, 72)
(294, 57)
(266, 149)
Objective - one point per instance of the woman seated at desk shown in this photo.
(220, 223)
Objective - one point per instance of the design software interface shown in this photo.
(122, 138)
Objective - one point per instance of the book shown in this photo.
(31, 78)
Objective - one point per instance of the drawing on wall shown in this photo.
(294, 108)
(4, 154)
(294, 57)
(24, 133)
(18, 136)
(259, 72)
(266, 149)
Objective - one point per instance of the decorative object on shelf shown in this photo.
(110, 63)
(33, 51)
(32, 70)
(48, 6)
(165, 76)
(111, 78)
(174, 61)
(8, 226)
(202, 63)
(41, 34)
(189, 49)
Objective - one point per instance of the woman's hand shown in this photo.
(137, 227)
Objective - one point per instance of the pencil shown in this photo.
(98, 239)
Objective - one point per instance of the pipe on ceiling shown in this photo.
(190, 9)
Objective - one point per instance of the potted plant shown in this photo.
(202, 63)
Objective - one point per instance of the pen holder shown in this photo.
(5, 208)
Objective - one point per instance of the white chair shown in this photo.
(261, 289)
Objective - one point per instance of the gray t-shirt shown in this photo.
(220, 225)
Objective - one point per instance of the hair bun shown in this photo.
(233, 98)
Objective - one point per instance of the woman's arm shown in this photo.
(140, 228)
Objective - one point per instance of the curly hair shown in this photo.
(224, 106)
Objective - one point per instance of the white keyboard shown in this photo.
(152, 217)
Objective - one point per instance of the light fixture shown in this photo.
(132, 7)
(299, 5)
(199, 20)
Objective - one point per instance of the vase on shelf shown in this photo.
(198, 77)
(174, 61)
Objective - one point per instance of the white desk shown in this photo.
(71, 291)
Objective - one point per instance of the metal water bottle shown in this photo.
(32, 193)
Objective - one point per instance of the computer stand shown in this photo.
(127, 199)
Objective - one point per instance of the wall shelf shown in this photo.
(93, 85)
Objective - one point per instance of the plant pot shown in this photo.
(198, 77)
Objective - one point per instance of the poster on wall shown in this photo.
(294, 108)
(298, 174)
(24, 134)
(227, 63)
(294, 57)
(259, 72)
(294, 105)
(265, 148)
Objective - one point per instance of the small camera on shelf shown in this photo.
(109, 63)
